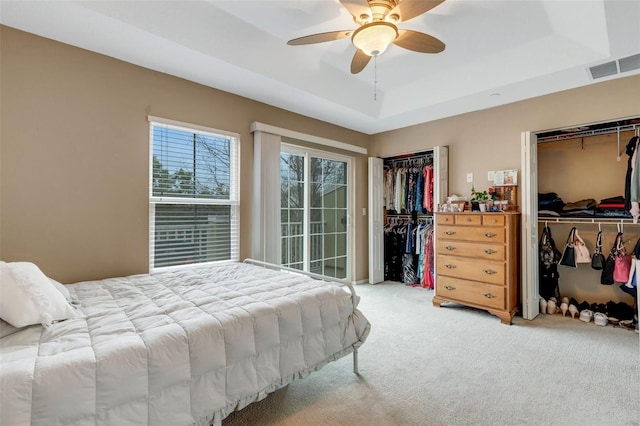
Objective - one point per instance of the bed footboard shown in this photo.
(346, 283)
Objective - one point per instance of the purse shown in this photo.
(580, 248)
(549, 254)
(597, 261)
(622, 262)
(569, 253)
(606, 277)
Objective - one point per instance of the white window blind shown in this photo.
(194, 195)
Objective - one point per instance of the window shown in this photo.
(194, 195)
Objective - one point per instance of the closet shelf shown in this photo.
(596, 220)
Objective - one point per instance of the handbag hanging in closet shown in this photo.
(622, 262)
(597, 261)
(581, 249)
(606, 277)
(549, 254)
(569, 253)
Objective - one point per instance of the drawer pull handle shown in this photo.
(468, 219)
(450, 232)
(449, 266)
(490, 251)
(449, 287)
(489, 296)
(489, 271)
(450, 247)
(490, 235)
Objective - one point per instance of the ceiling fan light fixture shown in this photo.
(374, 38)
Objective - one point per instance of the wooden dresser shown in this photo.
(478, 261)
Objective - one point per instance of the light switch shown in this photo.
(469, 177)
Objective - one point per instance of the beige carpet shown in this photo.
(459, 366)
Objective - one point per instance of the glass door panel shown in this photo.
(329, 198)
(292, 210)
(321, 211)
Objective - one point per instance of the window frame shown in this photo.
(234, 190)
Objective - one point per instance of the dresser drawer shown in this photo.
(472, 269)
(471, 233)
(480, 294)
(444, 219)
(469, 219)
(466, 249)
(493, 220)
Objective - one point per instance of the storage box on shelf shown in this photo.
(477, 261)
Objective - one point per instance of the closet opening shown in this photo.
(578, 177)
(404, 191)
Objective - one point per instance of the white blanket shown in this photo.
(175, 348)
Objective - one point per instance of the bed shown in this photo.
(185, 347)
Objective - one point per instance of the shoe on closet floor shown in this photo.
(613, 312)
(543, 305)
(573, 308)
(586, 315)
(552, 308)
(600, 319)
(582, 306)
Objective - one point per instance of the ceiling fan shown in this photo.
(377, 20)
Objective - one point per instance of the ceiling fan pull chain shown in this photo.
(375, 78)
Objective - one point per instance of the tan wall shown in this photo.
(75, 155)
(490, 139)
(578, 169)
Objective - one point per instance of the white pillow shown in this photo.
(62, 289)
(28, 297)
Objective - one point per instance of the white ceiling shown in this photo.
(498, 51)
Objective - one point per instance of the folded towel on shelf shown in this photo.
(619, 199)
(586, 204)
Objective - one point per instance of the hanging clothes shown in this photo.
(632, 179)
(389, 182)
(427, 172)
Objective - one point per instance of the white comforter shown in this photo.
(175, 348)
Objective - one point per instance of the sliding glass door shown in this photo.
(314, 221)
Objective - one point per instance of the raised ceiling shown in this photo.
(497, 52)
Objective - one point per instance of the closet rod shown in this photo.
(594, 220)
(596, 132)
(407, 160)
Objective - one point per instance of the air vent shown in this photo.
(629, 63)
(603, 70)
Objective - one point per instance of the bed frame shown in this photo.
(354, 297)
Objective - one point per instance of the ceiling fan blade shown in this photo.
(418, 42)
(357, 8)
(407, 9)
(359, 61)
(319, 38)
